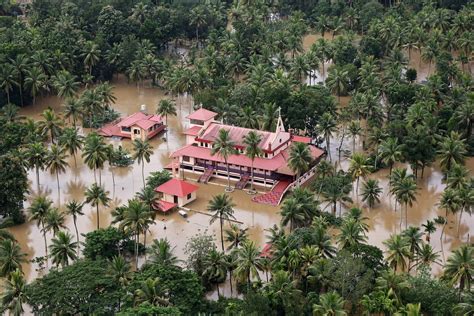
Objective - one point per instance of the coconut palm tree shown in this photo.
(95, 196)
(73, 109)
(283, 290)
(54, 221)
(120, 271)
(327, 126)
(330, 303)
(355, 130)
(63, 249)
(358, 168)
(452, 150)
(248, 262)
(71, 141)
(371, 192)
(215, 268)
(405, 193)
(74, 209)
(413, 235)
(352, 233)
(222, 207)
(429, 228)
(35, 81)
(38, 210)
(398, 251)
(142, 151)
(426, 256)
(459, 269)
(66, 84)
(8, 76)
(392, 283)
(51, 124)
(11, 257)
(56, 163)
(166, 107)
(235, 236)
(323, 243)
(14, 294)
(136, 219)
(252, 150)
(337, 80)
(95, 153)
(390, 152)
(161, 252)
(292, 213)
(91, 55)
(152, 292)
(300, 158)
(450, 202)
(35, 155)
(224, 147)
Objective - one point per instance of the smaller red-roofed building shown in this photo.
(175, 193)
(136, 126)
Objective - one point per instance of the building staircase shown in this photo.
(275, 195)
(244, 179)
(208, 173)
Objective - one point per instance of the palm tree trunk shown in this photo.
(459, 220)
(143, 173)
(230, 282)
(222, 233)
(251, 184)
(97, 213)
(45, 243)
(144, 241)
(406, 215)
(37, 180)
(136, 250)
(59, 187)
(75, 161)
(228, 175)
(77, 236)
(218, 293)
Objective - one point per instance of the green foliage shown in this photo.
(107, 243)
(81, 288)
(157, 178)
(184, 288)
(196, 249)
(148, 309)
(15, 186)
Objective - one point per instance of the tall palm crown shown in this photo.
(352, 233)
(292, 213)
(63, 249)
(73, 109)
(11, 257)
(35, 81)
(136, 219)
(54, 221)
(222, 207)
(224, 147)
(248, 262)
(216, 267)
(142, 151)
(327, 126)
(14, 294)
(337, 80)
(330, 304)
(74, 209)
(390, 152)
(459, 268)
(300, 158)
(252, 149)
(166, 107)
(371, 192)
(51, 123)
(94, 151)
(398, 251)
(405, 192)
(66, 84)
(452, 150)
(35, 155)
(161, 252)
(71, 141)
(119, 269)
(95, 196)
(56, 162)
(8, 76)
(152, 292)
(358, 168)
(91, 55)
(38, 211)
(235, 236)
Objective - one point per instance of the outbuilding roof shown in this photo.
(177, 187)
(202, 115)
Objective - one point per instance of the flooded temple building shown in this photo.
(270, 168)
(136, 126)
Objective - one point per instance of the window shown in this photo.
(136, 131)
(186, 158)
(189, 196)
(175, 199)
(125, 129)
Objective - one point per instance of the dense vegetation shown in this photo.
(318, 262)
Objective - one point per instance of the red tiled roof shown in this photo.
(201, 115)
(192, 131)
(277, 163)
(132, 119)
(177, 187)
(164, 206)
(302, 139)
(236, 134)
(266, 251)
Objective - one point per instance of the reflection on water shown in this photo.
(383, 220)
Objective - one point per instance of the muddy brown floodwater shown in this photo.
(383, 220)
